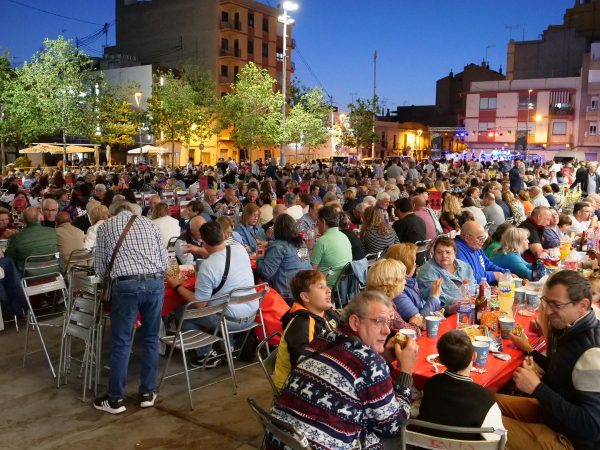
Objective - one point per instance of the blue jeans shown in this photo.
(127, 298)
(11, 291)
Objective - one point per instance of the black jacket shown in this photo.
(582, 180)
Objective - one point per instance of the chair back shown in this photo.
(248, 294)
(171, 245)
(42, 284)
(81, 257)
(424, 250)
(267, 363)
(286, 434)
(216, 305)
(421, 439)
(41, 264)
(488, 226)
(373, 257)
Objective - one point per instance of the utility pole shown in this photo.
(374, 98)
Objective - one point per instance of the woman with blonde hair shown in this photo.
(375, 233)
(451, 213)
(513, 243)
(516, 207)
(388, 277)
(97, 215)
(411, 305)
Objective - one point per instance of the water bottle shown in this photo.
(464, 311)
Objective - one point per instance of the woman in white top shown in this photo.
(97, 215)
(167, 225)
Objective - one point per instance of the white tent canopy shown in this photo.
(148, 150)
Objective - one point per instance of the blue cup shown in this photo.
(482, 349)
(533, 300)
(518, 282)
(520, 296)
(433, 325)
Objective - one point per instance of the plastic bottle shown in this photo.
(506, 294)
(464, 311)
(572, 261)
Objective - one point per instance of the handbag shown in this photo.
(108, 280)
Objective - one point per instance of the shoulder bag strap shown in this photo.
(119, 243)
(225, 272)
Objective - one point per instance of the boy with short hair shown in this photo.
(311, 315)
(452, 398)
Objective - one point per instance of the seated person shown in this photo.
(452, 271)
(215, 277)
(552, 234)
(189, 247)
(493, 242)
(227, 225)
(468, 244)
(249, 230)
(513, 244)
(362, 401)
(285, 256)
(452, 398)
(7, 229)
(311, 315)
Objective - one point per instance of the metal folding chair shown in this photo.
(82, 323)
(423, 250)
(237, 297)
(41, 265)
(421, 439)
(37, 285)
(171, 246)
(267, 363)
(193, 339)
(79, 257)
(287, 435)
(373, 257)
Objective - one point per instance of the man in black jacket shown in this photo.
(589, 180)
(564, 409)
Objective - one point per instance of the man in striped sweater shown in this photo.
(341, 396)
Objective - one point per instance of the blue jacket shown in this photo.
(410, 303)
(250, 235)
(430, 271)
(280, 264)
(513, 262)
(479, 262)
(551, 237)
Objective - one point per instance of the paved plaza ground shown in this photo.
(37, 415)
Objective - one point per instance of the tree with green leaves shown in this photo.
(361, 134)
(307, 121)
(6, 75)
(117, 118)
(253, 109)
(182, 107)
(53, 94)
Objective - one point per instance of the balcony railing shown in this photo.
(566, 110)
(236, 52)
(226, 25)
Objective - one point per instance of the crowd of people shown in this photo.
(304, 225)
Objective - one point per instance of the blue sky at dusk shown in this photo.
(417, 41)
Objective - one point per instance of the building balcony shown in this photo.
(225, 79)
(293, 43)
(228, 25)
(565, 110)
(293, 67)
(233, 53)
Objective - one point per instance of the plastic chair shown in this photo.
(420, 439)
(237, 297)
(36, 285)
(193, 339)
(268, 363)
(287, 435)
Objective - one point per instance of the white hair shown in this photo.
(369, 200)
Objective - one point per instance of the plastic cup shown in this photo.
(433, 325)
(507, 324)
(520, 295)
(518, 282)
(409, 332)
(533, 300)
(482, 349)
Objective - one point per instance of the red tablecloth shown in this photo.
(172, 300)
(498, 372)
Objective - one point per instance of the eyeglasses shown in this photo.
(479, 238)
(555, 306)
(381, 321)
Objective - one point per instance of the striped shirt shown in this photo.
(376, 242)
(142, 251)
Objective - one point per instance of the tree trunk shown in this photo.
(64, 136)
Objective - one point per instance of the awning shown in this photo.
(78, 149)
(148, 150)
(41, 148)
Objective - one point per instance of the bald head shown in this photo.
(419, 201)
(473, 234)
(31, 215)
(62, 218)
(279, 209)
(195, 223)
(471, 227)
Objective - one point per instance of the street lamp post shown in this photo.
(138, 99)
(287, 6)
(529, 108)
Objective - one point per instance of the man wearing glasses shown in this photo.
(342, 395)
(469, 244)
(563, 411)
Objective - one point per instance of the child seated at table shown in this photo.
(311, 315)
(452, 398)
(595, 283)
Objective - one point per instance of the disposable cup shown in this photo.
(507, 324)
(433, 325)
(409, 332)
(482, 349)
(518, 282)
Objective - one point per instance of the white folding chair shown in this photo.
(37, 285)
(193, 339)
(171, 246)
(237, 297)
(267, 363)
(421, 439)
(287, 435)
